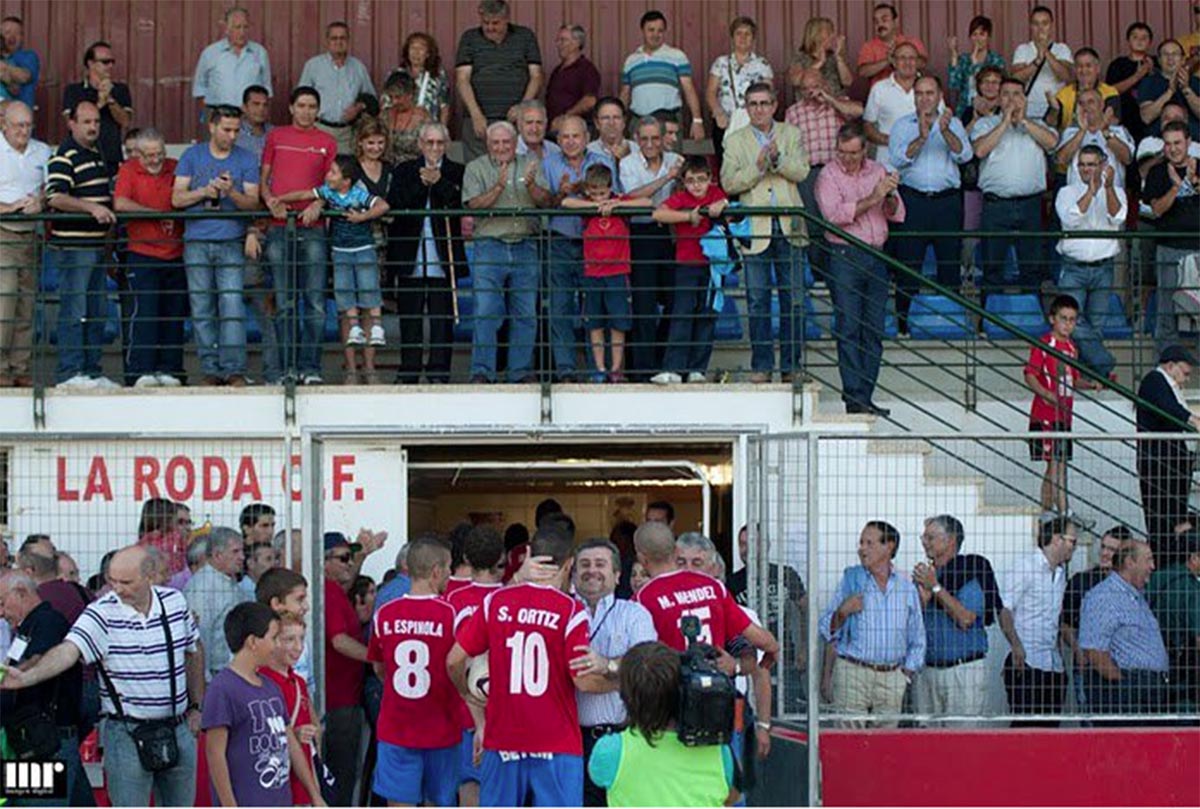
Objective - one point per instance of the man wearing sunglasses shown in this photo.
(113, 99)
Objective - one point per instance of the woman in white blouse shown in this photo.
(728, 79)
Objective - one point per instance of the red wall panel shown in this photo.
(157, 43)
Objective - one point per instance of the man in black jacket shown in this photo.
(427, 255)
(1165, 466)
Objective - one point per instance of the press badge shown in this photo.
(16, 650)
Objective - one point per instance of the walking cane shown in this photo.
(453, 281)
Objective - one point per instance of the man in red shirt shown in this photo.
(345, 655)
(295, 158)
(530, 734)
(672, 594)
(875, 56)
(420, 725)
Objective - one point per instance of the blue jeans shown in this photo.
(566, 279)
(130, 785)
(859, 286)
(81, 305)
(1014, 216)
(1167, 283)
(159, 305)
(1090, 285)
(690, 338)
(356, 280)
(299, 269)
(504, 270)
(214, 277)
(260, 291)
(789, 280)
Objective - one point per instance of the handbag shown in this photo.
(325, 780)
(154, 739)
(739, 118)
(32, 732)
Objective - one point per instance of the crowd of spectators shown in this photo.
(993, 143)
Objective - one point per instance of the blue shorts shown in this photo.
(407, 775)
(551, 779)
(467, 771)
(356, 279)
(606, 303)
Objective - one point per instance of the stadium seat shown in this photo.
(1022, 312)
(1116, 325)
(936, 317)
(729, 321)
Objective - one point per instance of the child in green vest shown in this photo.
(647, 765)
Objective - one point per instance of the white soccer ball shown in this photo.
(477, 677)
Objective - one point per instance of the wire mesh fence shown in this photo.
(939, 591)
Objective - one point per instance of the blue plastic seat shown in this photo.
(729, 322)
(1022, 312)
(936, 317)
(1116, 325)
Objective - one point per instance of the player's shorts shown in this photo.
(467, 771)
(408, 775)
(1050, 449)
(550, 779)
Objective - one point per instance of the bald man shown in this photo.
(126, 633)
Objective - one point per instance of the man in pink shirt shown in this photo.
(296, 158)
(857, 195)
(875, 56)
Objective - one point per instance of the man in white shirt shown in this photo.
(891, 99)
(340, 79)
(1094, 201)
(23, 162)
(1032, 591)
(1097, 126)
(1042, 65)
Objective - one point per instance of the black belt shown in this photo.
(342, 125)
(930, 194)
(958, 661)
(883, 667)
(596, 731)
(1099, 263)
(998, 198)
(133, 720)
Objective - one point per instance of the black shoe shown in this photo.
(480, 379)
(854, 408)
(876, 410)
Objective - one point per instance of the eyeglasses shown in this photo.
(108, 61)
(344, 558)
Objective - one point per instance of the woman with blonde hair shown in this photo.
(823, 49)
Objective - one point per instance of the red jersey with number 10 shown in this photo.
(412, 636)
(671, 596)
(530, 632)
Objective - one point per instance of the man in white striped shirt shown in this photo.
(126, 635)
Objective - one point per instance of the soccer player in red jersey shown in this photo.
(420, 725)
(483, 550)
(529, 734)
(671, 594)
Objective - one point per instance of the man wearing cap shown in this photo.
(345, 656)
(1165, 466)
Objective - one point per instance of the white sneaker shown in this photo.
(666, 378)
(104, 383)
(696, 376)
(147, 381)
(168, 381)
(357, 337)
(377, 336)
(312, 379)
(78, 382)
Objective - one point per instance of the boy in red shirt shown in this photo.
(1053, 385)
(289, 645)
(530, 738)
(606, 268)
(420, 727)
(692, 321)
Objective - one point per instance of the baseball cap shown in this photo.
(335, 538)
(1176, 354)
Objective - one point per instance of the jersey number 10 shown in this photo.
(529, 664)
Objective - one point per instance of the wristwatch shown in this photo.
(761, 725)
(937, 588)
(613, 667)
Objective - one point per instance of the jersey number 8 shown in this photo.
(411, 678)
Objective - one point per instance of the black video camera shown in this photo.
(706, 694)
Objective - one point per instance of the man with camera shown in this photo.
(147, 648)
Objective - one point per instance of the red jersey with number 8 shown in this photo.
(412, 636)
(671, 596)
(530, 632)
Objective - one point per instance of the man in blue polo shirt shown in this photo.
(961, 598)
(19, 66)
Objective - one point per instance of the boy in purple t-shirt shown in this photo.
(249, 742)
